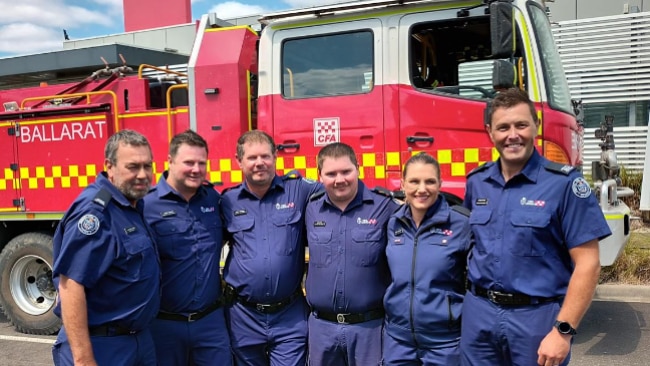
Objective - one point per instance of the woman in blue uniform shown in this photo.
(427, 250)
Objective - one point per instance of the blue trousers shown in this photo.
(494, 334)
(127, 350)
(397, 353)
(202, 342)
(277, 339)
(333, 344)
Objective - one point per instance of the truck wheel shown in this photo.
(27, 293)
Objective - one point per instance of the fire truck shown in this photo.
(389, 77)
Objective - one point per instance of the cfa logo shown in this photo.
(326, 131)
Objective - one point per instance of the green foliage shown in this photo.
(633, 266)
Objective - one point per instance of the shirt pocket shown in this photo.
(140, 260)
(241, 229)
(320, 248)
(479, 220)
(528, 232)
(287, 228)
(173, 238)
(367, 247)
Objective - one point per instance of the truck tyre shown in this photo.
(27, 293)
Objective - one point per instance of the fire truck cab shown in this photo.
(389, 77)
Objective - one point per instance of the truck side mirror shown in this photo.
(504, 75)
(502, 29)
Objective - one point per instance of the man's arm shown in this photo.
(555, 346)
(75, 319)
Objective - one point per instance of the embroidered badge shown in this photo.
(207, 209)
(168, 213)
(581, 188)
(239, 212)
(284, 206)
(88, 224)
(319, 223)
(130, 230)
(361, 221)
(537, 203)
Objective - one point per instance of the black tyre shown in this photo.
(27, 294)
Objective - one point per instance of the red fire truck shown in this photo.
(389, 77)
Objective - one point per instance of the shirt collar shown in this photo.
(438, 212)
(276, 183)
(103, 183)
(530, 170)
(363, 195)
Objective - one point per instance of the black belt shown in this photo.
(110, 330)
(349, 318)
(502, 298)
(191, 317)
(272, 307)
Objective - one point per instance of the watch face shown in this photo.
(564, 328)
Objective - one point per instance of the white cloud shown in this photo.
(234, 9)
(23, 38)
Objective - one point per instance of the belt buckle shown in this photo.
(340, 318)
(499, 297)
(190, 317)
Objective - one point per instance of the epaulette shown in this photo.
(461, 210)
(208, 184)
(294, 174)
(230, 188)
(559, 168)
(102, 198)
(383, 191)
(480, 168)
(316, 196)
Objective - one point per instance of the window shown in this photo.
(333, 64)
(556, 85)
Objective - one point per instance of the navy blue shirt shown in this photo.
(347, 260)
(427, 264)
(189, 238)
(104, 244)
(524, 228)
(267, 254)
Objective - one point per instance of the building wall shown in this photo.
(580, 9)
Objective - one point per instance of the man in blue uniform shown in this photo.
(348, 273)
(183, 211)
(534, 266)
(105, 264)
(264, 221)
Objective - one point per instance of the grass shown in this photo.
(633, 266)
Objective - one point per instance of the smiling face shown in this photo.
(257, 164)
(421, 185)
(513, 131)
(340, 177)
(187, 169)
(131, 171)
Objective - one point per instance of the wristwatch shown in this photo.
(564, 328)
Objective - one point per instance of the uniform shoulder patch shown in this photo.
(580, 187)
(316, 196)
(383, 191)
(102, 198)
(230, 189)
(294, 174)
(480, 168)
(559, 168)
(461, 210)
(88, 224)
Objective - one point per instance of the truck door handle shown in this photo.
(281, 147)
(412, 139)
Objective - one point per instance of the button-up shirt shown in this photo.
(189, 238)
(524, 228)
(267, 254)
(104, 244)
(347, 261)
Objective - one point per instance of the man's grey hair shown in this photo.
(127, 137)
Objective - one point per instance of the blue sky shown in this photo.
(35, 26)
